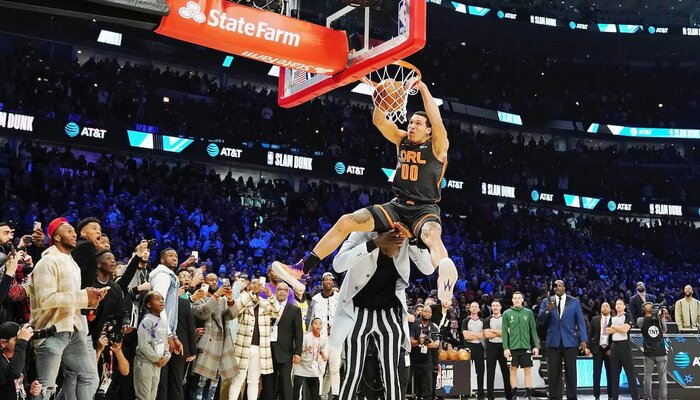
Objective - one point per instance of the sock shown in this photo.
(310, 262)
(528, 392)
(514, 392)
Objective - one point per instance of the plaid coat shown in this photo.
(217, 344)
(244, 310)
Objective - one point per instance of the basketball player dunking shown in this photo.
(422, 159)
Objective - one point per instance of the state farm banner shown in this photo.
(261, 35)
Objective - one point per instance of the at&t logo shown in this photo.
(340, 169)
(213, 150)
(72, 130)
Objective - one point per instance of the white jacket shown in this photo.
(324, 308)
(361, 266)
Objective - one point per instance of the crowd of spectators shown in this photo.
(105, 90)
(184, 207)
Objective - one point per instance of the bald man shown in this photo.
(687, 311)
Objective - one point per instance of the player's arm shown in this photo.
(388, 129)
(440, 142)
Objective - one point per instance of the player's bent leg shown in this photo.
(359, 221)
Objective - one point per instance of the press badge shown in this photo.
(424, 349)
(273, 333)
(407, 360)
(104, 386)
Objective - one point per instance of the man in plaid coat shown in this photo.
(217, 356)
(252, 344)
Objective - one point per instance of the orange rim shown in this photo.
(400, 63)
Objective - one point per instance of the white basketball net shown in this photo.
(393, 98)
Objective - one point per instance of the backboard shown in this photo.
(376, 38)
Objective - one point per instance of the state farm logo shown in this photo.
(192, 11)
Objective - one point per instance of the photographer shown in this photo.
(13, 345)
(422, 333)
(653, 326)
(110, 340)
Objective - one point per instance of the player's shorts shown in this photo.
(521, 358)
(413, 216)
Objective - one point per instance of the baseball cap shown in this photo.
(327, 274)
(53, 226)
(8, 330)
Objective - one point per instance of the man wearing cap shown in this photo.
(637, 301)
(13, 345)
(56, 299)
(372, 305)
(323, 306)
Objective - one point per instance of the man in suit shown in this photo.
(286, 340)
(636, 302)
(562, 316)
(599, 341)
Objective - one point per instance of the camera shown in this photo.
(44, 333)
(113, 332)
(152, 243)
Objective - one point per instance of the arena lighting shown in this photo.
(110, 37)
(156, 7)
(227, 61)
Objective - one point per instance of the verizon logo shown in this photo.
(221, 20)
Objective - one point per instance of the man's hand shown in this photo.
(228, 292)
(94, 296)
(25, 241)
(178, 346)
(582, 346)
(25, 332)
(391, 240)
(198, 295)
(102, 342)
(161, 363)
(189, 262)
(127, 329)
(25, 258)
(267, 291)
(116, 347)
(610, 330)
(296, 359)
(535, 352)
(35, 389)
(144, 287)
(506, 353)
(11, 265)
(190, 358)
(181, 290)
(39, 238)
(221, 291)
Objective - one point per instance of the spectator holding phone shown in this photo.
(13, 345)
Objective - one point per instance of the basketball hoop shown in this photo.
(391, 86)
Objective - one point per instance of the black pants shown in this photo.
(404, 374)
(422, 381)
(555, 355)
(476, 351)
(280, 381)
(383, 327)
(494, 354)
(621, 357)
(312, 385)
(600, 358)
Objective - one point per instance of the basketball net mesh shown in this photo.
(391, 86)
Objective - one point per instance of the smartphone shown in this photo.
(262, 280)
(227, 282)
(195, 254)
(205, 287)
(37, 225)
